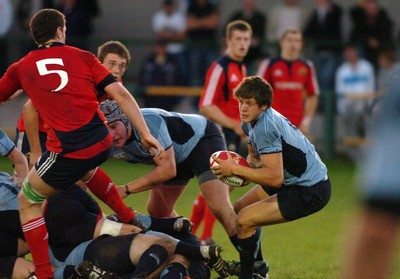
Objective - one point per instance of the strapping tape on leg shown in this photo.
(31, 194)
(111, 228)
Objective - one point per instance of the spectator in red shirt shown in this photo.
(294, 81)
(217, 102)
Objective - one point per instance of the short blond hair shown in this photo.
(240, 25)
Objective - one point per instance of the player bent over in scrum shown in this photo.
(189, 140)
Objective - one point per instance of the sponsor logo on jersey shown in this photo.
(234, 78)
(288, 85)
(302, 71)
(278, 73)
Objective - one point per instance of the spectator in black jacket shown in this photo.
(372, 28)
(323, 30)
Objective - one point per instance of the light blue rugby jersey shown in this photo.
(182, 131)
(6, 144)
(380, 169)
(273, 133)
(8, 192)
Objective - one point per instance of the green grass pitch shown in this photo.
(309, 248)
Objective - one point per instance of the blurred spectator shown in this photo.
(6, 19)
(388, 72)
(388, 69)
(202, 27)
(287, 15)
(258, 21)
(355, 87)
(323, 30)
(160, 69)
(372, 28)
(25, 10)
(79, 15)
(169, 24)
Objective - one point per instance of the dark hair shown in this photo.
(114, 47)
(240, 25)
(257, 88)
(44, 25)
(290, 30)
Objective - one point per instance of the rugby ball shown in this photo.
(232, 180)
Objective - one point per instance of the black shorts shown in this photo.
(8, 245)
(10, 231)
(299, 201)
(22, 142)
(233, 141)
(111, 253)
(390, 206)
(60, 172)
(198, 161)
(7, 266)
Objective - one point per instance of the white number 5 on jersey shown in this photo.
(41, 65)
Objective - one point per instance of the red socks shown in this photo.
(35, 232)
(201, 212)
(102, 187)
(197, 212)
(208, 224)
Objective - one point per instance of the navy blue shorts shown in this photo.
(299, 201)
(22, 142)
(60, 172)
(198, 161)
(390, 206)
(10, 231)
(233, 141)
(111, 253)
(7, 266)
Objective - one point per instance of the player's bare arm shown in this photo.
(270, 174)
(310, 106)
(131, 109)
(20, 164)
(164, 170)
(31, 120)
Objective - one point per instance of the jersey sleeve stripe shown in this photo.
(313, 78)
(263, 68)
(210, 90)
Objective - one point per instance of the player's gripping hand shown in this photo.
(223, 167)
(151, 143)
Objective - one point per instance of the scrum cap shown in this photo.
(113, 112)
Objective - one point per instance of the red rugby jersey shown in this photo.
(291, 82)
(222, 77)
(61, 82)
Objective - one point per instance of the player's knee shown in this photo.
(176, 258)
(168, 244)
(28, 194)
(237, 207)
(243, 224)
